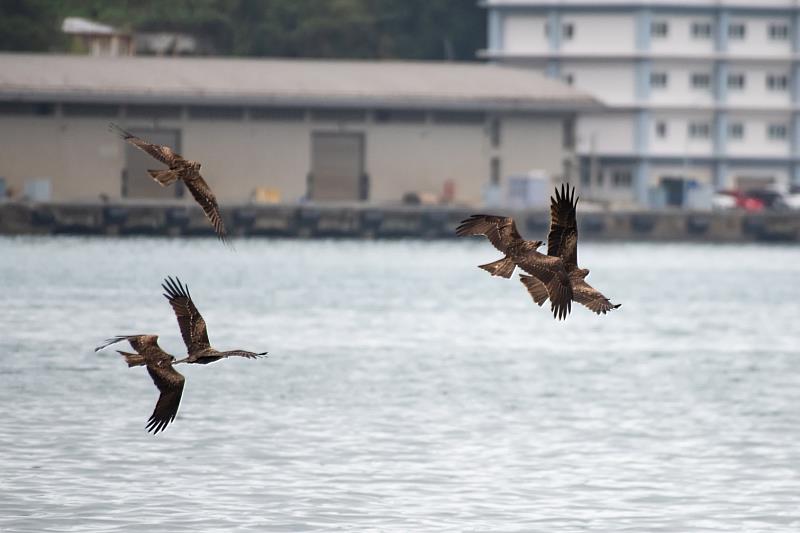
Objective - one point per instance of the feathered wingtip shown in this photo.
(468, 225)
(567, 195)
(174, 288)
(225, 240)
(114, 128)
(109, 342)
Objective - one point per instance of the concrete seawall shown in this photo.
(368, 221)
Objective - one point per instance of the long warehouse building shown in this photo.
(281, 130)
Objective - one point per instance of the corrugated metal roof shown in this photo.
(283, 82)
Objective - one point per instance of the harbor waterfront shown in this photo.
(405, 390)
(363, 220)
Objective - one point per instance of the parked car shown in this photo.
(735, 199)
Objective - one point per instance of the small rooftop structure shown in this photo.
(82, 26)
(97, 39)
(283, 82)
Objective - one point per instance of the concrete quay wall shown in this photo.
(370, 221)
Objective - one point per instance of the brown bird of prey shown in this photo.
(193, 327)
(179, 169)
(502, 233)
(562, 242)
(159, 365)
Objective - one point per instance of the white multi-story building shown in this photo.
(700, 93)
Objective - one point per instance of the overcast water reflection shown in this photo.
(405, 390)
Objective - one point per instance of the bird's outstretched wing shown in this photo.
(170, 383)
(242, 353)
(562, 241)
(191, 323)
(551, 273)
(585, 294)
(162, 153)
(501, 231)
(536, 289)
(203, 195)
(138, 342)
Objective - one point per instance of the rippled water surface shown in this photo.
(406, 390)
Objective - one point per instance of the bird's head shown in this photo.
(583, 272)
(195, 165)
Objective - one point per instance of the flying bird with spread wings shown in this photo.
(160, 364)
(562, 242)
(179, 169)
(193, 327)
(517, 252)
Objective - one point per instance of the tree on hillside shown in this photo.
(410, 29)
(28, 25)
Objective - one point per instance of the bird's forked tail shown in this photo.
(503, 267)
(164, 177)
(133, 359)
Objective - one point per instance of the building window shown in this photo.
(568, 141)
(736, 31)
(90, 110)
(494, 132)
(658, 80)
(494, 170)
(22, 108)
(659, 29)
(778, 32)
(699, 130)
(216, 113)
(153, 112)
(622, 178)
(338, 115)
(777, 82)
(405, 116)
(282, 114)
(736, 130)
(701, 30)
(458, 117)
(661, 129)
(568, 31)
(736, 81)
(701, 80)
(777, 131)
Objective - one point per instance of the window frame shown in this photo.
(707, 33)
(772, 85)
(657, 76)
(777, 131)
(662, 129)
(736, 130)
(782, 35)
(697, 75)
(734, 33)
(737, 86)
(659, 29)
(699, 130)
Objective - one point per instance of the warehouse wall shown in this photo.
(239, 152)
